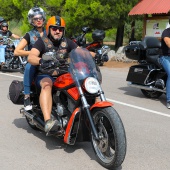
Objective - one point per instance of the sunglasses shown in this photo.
(39, 18)
(57, 28)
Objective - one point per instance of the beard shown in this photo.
(55, 39)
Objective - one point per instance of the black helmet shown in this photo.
(35, 11)
(2, 19)
(4, 24)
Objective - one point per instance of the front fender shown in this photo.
(101, 104)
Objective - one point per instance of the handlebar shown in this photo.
(104, 50)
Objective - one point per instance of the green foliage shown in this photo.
(97, 14)
(13, 27)
(110, 35)
(138, 30)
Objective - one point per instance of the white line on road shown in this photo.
(140, 108)
(115, 101)
(11, 75)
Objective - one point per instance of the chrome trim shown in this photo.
(148, 77)
(149, 88)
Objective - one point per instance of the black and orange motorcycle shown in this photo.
(81, 117)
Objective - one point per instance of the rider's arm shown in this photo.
(93, 54)
(33, 57)
(19, 51)
(15, 36)
(37, 50)
(167, 41)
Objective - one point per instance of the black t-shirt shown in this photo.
(8, 33)
(27, 38)
(165, 48)
(40, 46)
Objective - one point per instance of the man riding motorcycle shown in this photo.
(5, 32)
(1, 21)
(54, 42)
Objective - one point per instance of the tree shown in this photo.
(97, 14)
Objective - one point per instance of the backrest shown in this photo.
(152, 46)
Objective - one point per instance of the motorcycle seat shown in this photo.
(154, 59)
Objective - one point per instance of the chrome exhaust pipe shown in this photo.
(33, 118)
(149, 88)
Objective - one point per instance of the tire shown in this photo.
(101, 63)
(110, 152)
(151, 94)
(31, 124)
(22, 70)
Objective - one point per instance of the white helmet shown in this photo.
(35, 11)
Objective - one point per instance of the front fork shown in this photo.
(87, 109)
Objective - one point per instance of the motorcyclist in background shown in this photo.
(36, 18)
(5, 32)
(1, 21)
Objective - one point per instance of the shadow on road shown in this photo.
(52, 142)
(135, 92)
(9, 70)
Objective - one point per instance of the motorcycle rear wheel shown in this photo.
(101, 63)
(151, 94)
(111, 149)
(22, 69)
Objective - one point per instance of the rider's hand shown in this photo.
(47, 64)
(62, 61)
(97, 56)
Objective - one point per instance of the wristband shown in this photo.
(40, 61)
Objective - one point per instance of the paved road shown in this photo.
(146, 121)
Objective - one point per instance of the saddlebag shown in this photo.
(140, 74)
(16, 94)
(134, 52)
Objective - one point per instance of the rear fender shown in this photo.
(101, 104)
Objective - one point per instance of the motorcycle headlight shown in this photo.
(91, 85)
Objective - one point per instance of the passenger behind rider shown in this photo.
(55, 41)
(36, 18)
(5, 32)
(165, 60)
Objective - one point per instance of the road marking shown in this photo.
(137, 107)
(114, 101)
(11, 75)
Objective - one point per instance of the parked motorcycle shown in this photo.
(8, 60)
(148, 75)
(80, 117)
(95, 46)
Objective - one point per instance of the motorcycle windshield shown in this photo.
(82, 64)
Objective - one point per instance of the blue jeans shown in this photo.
(29, 75)
(2, 53)
(165, 62)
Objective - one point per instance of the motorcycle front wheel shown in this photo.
(110, 150)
